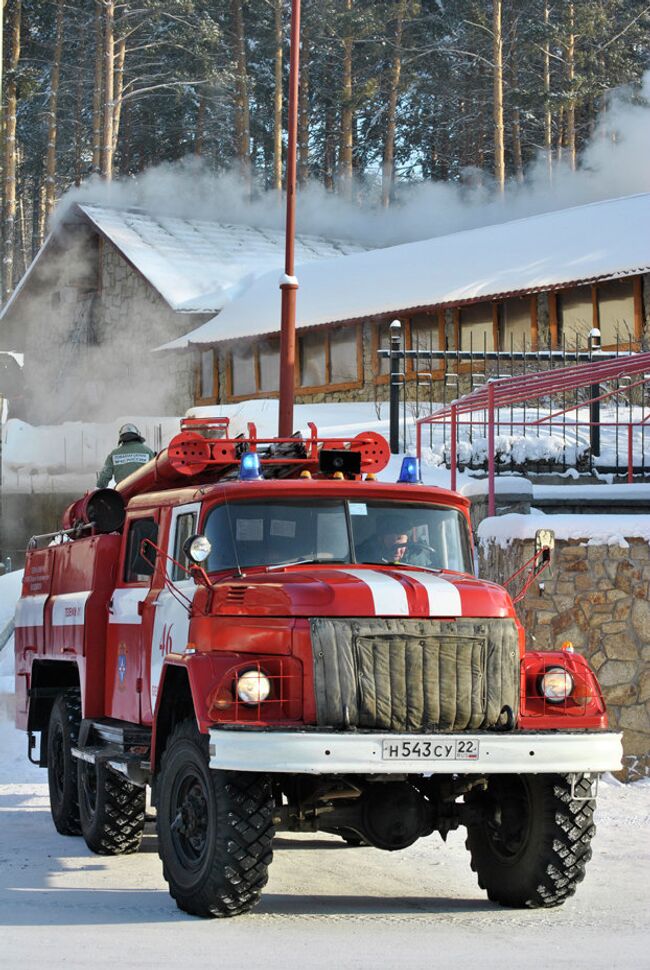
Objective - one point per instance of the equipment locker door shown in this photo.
(171, 621)
(128, 629)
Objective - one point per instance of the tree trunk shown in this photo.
(516, 123)
(497, 58)
(199, 135)
(118, 83)
(109, 104)
(303, 112)
(79, 105)
(9, 219)
(388, 165)
(571, 105)
(330, 149)
(548, 131)
(97, 90)
(242, 110)
(347, 114)
(277, 97)
(50, 164)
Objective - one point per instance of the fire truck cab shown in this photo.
(271, 638)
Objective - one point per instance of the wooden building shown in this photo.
(542, 281)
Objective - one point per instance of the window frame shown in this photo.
(410, 371)
(637, 296)
(149, 515)
(300, 388)
(201, 401)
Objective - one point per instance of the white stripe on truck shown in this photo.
(388, 595)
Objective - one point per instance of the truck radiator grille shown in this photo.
(415, 675)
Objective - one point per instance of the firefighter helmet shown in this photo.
(129, 432)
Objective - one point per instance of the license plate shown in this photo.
(456, 749)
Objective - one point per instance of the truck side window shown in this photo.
(185, 527)
(136, 567)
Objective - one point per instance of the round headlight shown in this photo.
(556, 684)
(253, 687)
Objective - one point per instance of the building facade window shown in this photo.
(616, 312)
(313, 359)
(207, 378)
(269, 358)
(575, 315)
(515, 324)
(476, 327)
(243, 371)
(325, 358)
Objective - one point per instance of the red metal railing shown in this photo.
(484, 407)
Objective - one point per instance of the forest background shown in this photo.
(392, 92)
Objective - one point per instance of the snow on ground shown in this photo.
(326, 905)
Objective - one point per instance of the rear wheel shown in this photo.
(62, 735)
(215, 829)
(111, 809)
(533, 842)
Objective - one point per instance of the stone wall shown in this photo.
(597, 597)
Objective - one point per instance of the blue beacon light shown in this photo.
(249, 467)
(410, 471)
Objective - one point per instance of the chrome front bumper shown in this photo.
(326, 753)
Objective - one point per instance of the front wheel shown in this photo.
(533, 840)
(215, 829)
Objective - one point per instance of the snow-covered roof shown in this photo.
(580, 244)
(196, 265)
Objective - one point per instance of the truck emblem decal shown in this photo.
(121, 664)
(166, 644)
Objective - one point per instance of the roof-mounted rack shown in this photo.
(191, 453)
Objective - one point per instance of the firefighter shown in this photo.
(392, 543)
(130, 454)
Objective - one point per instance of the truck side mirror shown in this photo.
(545, 544)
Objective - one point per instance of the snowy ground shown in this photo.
(326, 905)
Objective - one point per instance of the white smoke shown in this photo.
(613, 163)
(118, 374)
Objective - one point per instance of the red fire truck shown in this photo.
(272, 639)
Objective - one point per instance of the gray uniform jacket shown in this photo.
(122, 461)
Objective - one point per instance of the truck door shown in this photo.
(127, 634)
(171, 621)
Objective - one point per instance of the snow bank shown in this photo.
(10, 586)
(594, 529)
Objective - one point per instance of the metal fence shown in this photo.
(534, 409)
(425, 379)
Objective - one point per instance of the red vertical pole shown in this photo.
(491, 456)
(630, 454)
(289, 283)
(453, 456)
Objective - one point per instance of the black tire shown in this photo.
(111, 810)
(534, 840)
(215, 829)
(62, 735)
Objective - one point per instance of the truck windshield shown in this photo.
(278, 533)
